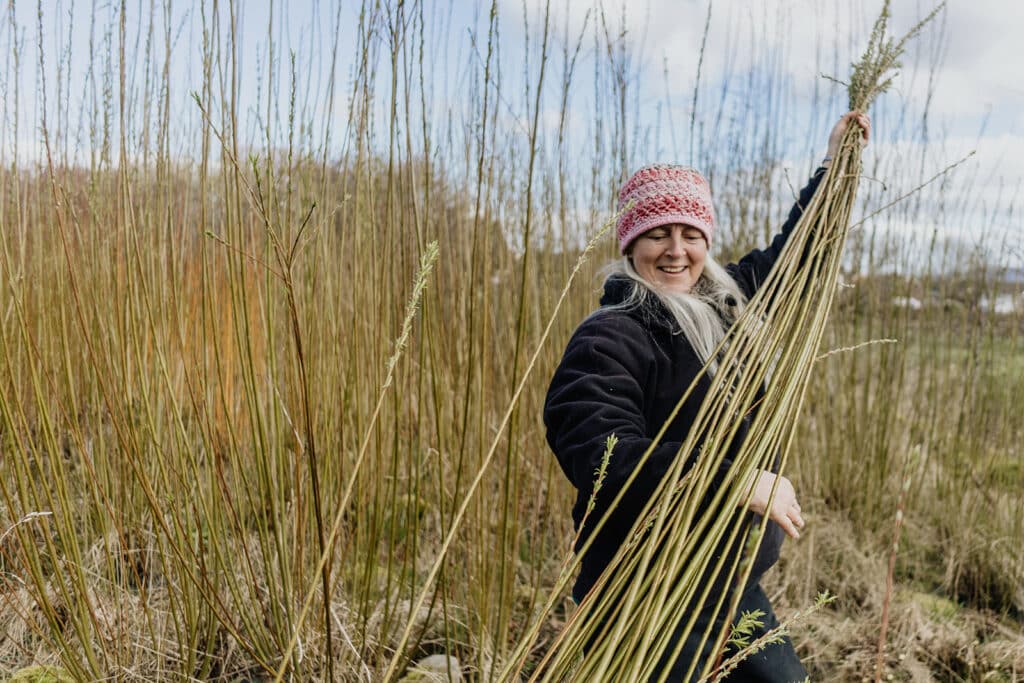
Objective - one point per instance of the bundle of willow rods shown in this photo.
(668, 569)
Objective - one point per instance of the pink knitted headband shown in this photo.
(663, 194)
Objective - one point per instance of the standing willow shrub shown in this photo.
(667, 570)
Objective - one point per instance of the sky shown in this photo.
(978, 43)
(964, 70)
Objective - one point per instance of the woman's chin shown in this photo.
(674, 285)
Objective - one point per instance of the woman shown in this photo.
(665, 308)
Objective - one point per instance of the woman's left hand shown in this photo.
(785, 510)
(838, 130)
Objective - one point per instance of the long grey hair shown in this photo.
(703, 314)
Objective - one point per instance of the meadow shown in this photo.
(271, 374)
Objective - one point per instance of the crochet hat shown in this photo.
(663, 194)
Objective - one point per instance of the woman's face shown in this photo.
(670, 256)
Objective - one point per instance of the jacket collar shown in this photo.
(651, 313)
(617, 289)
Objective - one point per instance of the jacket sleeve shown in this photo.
(753, 269)
(598, 390)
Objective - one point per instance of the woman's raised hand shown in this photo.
(836, 136)
(785, 510)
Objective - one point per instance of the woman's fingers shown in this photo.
(790, 523)
(864, 121)
(788, 516)
(796, 516)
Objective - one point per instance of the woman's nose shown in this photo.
(675, 245)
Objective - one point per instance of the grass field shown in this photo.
(224, 356)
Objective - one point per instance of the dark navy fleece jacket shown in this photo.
(622, 373)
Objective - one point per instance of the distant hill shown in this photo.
(1014, 276)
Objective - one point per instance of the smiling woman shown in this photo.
(666, 307)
